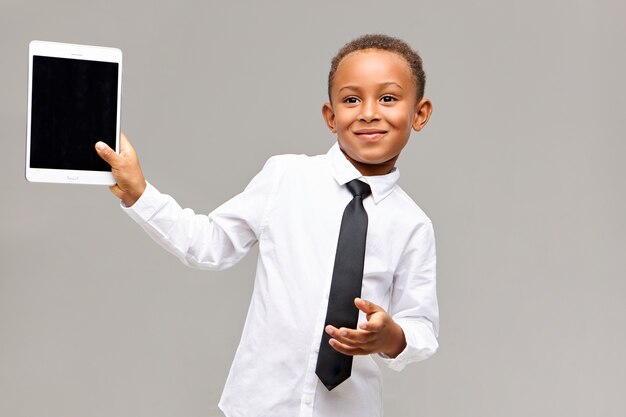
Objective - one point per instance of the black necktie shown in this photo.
(333, 367)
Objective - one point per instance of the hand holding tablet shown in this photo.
(74, 101)
(130, 182)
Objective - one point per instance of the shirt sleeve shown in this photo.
(414, 300)
(215, 241)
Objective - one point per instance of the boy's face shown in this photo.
(374, 107)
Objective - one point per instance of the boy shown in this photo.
(296, 208)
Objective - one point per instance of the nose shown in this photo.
(369, 111)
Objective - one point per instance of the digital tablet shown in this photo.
(74, 101)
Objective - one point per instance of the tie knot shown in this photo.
(359, 188)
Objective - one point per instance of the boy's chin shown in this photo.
(370, 165)
(371, 158)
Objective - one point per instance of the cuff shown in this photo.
(421, 344)
(145, 207)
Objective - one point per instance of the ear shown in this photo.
(329, 116)
(423, 110)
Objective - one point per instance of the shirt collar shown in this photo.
(343, 171)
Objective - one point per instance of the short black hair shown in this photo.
(384, 43)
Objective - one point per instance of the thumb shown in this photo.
(106, 153)
(367, 306)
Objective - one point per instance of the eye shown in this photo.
(351, 100)
(388, 99)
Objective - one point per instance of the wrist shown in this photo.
(397, 341)
(131, 197)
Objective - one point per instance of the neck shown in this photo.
(370, 170)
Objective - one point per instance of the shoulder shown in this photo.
(294, 163)
(294, 159)
(406, 211)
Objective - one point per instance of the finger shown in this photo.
(344, 333)
(115, 189)
(375, 323)
(108, 154)
(367, 306)
(346, 349)
(351, 337)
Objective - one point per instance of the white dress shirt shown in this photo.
(293, 208)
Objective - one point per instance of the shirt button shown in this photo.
(307, 400)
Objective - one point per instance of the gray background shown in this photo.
(521, 169)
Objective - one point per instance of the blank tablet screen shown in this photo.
(74, 105)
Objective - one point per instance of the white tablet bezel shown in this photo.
(81, 52)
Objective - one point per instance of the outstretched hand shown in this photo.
(126, 170)
(379, 334)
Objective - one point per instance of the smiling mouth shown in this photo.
(370, 135)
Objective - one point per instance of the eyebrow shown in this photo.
(386, 84)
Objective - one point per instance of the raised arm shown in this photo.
(214, 241)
